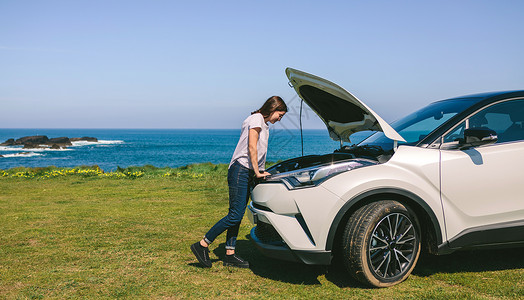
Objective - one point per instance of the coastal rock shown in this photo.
(60, 141)
(85, 138)
(42, 141)
(33, 146)
(9, 142)
(34, 140)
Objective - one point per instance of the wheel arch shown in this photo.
(431, 231)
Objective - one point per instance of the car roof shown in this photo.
(479, 100)
(495, 96)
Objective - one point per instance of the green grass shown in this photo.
(96, 236)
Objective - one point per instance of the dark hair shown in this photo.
(274, 103)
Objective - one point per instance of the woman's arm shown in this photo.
(253, 153)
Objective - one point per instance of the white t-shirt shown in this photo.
(242, 150)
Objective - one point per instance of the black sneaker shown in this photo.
(235, 261)
(202, 254)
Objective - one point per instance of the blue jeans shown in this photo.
(238, 180)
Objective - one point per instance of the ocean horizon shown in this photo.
(158, 147)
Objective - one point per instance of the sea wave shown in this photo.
(100, 142)
(68, 148)
(21, 154)
(19, 148)
(5, 148)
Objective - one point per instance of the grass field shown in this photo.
(88, 234)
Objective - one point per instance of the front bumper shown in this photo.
(270, 243)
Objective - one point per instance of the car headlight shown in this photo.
(315, 175)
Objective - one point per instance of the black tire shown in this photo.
(381, 243)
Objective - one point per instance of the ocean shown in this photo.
(157, 147)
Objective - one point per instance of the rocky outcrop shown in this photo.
(34, 146)
(34, 140)
(60, 141)
(42, 141)
(9, 142)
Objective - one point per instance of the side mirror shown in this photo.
(475, 137)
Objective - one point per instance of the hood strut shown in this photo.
(300, 121)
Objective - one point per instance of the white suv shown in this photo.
(449, 176)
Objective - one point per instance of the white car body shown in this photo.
(460, 196)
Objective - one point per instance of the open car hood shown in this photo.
(342, 112)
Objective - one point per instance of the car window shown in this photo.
(500, 122)
(505, 118)
(421, 129)
(455, 134)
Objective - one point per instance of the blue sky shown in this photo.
(207, 64)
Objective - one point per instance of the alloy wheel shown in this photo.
(392, 246)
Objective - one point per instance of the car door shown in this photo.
(482, 188)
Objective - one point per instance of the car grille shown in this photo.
(267, 234)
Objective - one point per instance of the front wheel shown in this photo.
(381, 243)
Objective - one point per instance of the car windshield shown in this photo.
(416, 126)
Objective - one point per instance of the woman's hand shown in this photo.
(262, 175)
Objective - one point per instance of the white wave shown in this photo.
(109, 142)
(19, 148)
(21, 154)
(5, 148)
(45, 149)
(100, 142)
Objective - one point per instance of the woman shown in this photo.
(248, 161)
